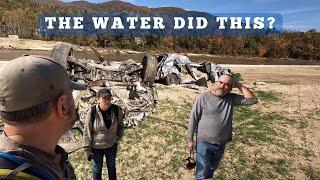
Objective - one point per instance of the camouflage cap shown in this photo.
(31, 80)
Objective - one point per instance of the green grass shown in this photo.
(160, 87)
(237, 76)
(308, 153)
(261, 147)
(311, 173)
(268, 96)
(282, 82)
(253, 129)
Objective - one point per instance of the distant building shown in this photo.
(138, 40)
(13, 36)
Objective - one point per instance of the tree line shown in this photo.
(289, 44)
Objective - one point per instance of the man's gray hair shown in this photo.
(233, 80)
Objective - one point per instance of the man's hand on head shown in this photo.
(237, 84)
(245, 91)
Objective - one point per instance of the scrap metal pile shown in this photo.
(178, 69)
(131, 83)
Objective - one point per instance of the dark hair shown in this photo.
(32, 114)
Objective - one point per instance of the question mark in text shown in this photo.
(271, 22)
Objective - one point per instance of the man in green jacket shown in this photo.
(104, 129)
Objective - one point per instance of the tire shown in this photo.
(172, 78)
(211, 77)
(149, 70)
(202, 82)
(61, 52)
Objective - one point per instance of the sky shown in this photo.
(300, 15)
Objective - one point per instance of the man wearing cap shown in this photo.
(212, 115)
(37, 107)
(104, 129)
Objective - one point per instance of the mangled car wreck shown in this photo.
(178, 69)
(131, 83)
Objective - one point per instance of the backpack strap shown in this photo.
(17, 170)
(93, 114)
(20, 175)
(18, 164)
(116, 111)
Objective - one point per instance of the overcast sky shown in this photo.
(299, 15)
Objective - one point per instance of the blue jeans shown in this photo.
(208, 158)
(98, 155)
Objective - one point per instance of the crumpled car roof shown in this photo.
(167, 66)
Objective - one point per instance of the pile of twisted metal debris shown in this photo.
(131, 83)
(178, 69)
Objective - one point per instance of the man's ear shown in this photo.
(62, 106)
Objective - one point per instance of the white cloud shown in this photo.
(129, 1)
(299, 26)
(301, 10)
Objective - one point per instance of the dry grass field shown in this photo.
(278, 138)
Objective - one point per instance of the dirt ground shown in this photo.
(279, 74)
(300, 99)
